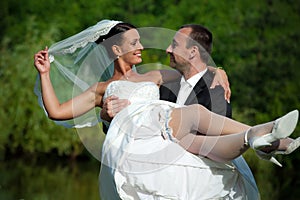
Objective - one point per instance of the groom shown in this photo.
(194, 85)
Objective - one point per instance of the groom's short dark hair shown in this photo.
(201, 37)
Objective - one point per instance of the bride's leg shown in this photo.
(228, 147)
(232, 134)
(224, 139)
(197, 118)
(218, 148)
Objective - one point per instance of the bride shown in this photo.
(145, 153)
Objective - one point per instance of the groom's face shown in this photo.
(179, 54)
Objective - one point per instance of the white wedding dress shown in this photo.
(138, 163)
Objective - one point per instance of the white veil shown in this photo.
(77, 63)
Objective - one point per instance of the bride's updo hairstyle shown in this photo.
(114, 37)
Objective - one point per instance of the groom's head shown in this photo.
(192, 44)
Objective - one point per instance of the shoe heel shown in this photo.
(273, 160)
(267, 156)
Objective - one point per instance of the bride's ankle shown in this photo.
(248, 137)
(250, 134)
(256, 132)
(261, 129)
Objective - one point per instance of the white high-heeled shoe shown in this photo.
(260, 154)
(283, 127)
(270, 156)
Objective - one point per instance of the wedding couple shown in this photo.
(155, 149)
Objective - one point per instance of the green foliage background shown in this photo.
(257, 42)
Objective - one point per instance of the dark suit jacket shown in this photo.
(212, 99)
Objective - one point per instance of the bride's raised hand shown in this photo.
(41, 61)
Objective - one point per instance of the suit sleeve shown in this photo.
(218, 103)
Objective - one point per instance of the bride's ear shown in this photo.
(116, 49)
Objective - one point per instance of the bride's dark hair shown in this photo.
(114, 37)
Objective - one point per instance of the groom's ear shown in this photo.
(193, 52)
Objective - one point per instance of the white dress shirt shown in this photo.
(186, 87)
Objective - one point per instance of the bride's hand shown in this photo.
(41, 61)
(222, 79)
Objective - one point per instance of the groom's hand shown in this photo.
(111, 106)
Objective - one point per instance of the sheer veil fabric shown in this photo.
(80, 61)
(77, 63)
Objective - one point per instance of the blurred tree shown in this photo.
(256, 41)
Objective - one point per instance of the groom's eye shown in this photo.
(174, 44)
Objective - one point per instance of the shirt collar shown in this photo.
(194, 79)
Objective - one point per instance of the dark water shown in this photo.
(49, 179)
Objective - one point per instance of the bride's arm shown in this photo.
(69, 109)
(221, 79)
(164, 76)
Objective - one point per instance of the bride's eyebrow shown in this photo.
(135, 40)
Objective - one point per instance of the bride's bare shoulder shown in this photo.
(99, 87)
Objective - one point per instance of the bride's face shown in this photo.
(131, 47)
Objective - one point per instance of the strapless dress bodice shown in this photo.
(133, 91)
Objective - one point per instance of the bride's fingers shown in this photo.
(42, 54)
(39, 58)
(46, 56)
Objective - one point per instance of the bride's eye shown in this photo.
(134, 42)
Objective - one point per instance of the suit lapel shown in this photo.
(201, 85)
(175, 88)
(193, 97)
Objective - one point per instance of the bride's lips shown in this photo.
(139, 54)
